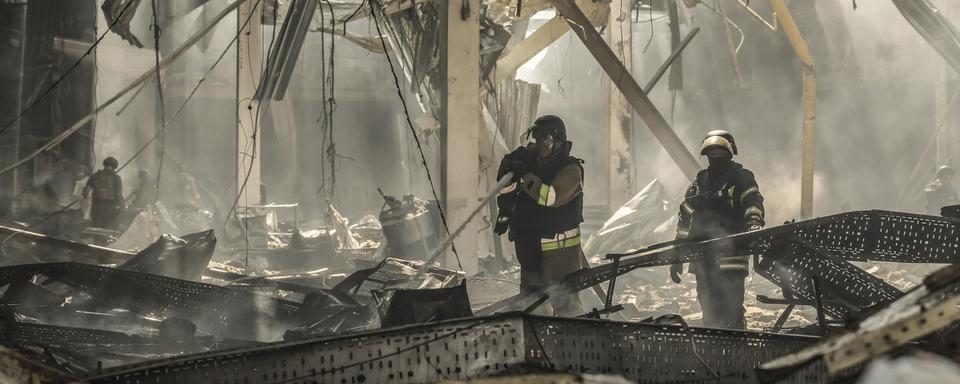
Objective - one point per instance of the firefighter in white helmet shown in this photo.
(723, 200)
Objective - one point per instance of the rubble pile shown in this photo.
(83, 310)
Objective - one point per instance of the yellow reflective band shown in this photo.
(544, 193)
(687, 207)
(748, 192)
(753, 211)
(560, 244)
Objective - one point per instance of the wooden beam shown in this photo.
(460, 125)
(809, 104)
(619, 114)
(249, 57)
(628, 86)
(553, 30)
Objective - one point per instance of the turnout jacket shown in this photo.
(721, 201)
(544, 209)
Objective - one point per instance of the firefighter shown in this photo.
(543, 210)
(106, 189)
(940, 192)
(723, 200)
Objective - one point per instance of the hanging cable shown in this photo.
(374, 6)
(154, 138)
(67, 73)
(251, 150)
(331, 104)
(163, 108)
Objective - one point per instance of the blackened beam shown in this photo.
(622, 79)
(853, 236)
(87, 252)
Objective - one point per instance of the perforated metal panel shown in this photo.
(886, 236)
(657, 354)
(792, 267)
(419, 354)
(485, 346)
(852, 236)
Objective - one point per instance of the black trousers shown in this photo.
(720, 294)
(103, 213)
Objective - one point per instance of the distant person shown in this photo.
(543, 210)
(723, 200)
(940, 192)
(146, 192)
(107, 195)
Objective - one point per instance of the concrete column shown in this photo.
(460, 123)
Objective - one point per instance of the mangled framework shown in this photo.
(224, 311)
(791, 254)
(928, 315)
(485, 346)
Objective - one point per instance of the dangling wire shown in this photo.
(163, 108)
(374, 6)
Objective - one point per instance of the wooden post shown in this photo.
(620, 116)
(461, 119)
(249, 57)
(628, 86)
(809, 104)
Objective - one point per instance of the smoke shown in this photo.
(875, 113)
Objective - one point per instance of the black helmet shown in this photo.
(548, 125)
(111, 162)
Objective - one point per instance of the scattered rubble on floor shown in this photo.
(102, 318)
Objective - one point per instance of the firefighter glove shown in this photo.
(675, 271)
